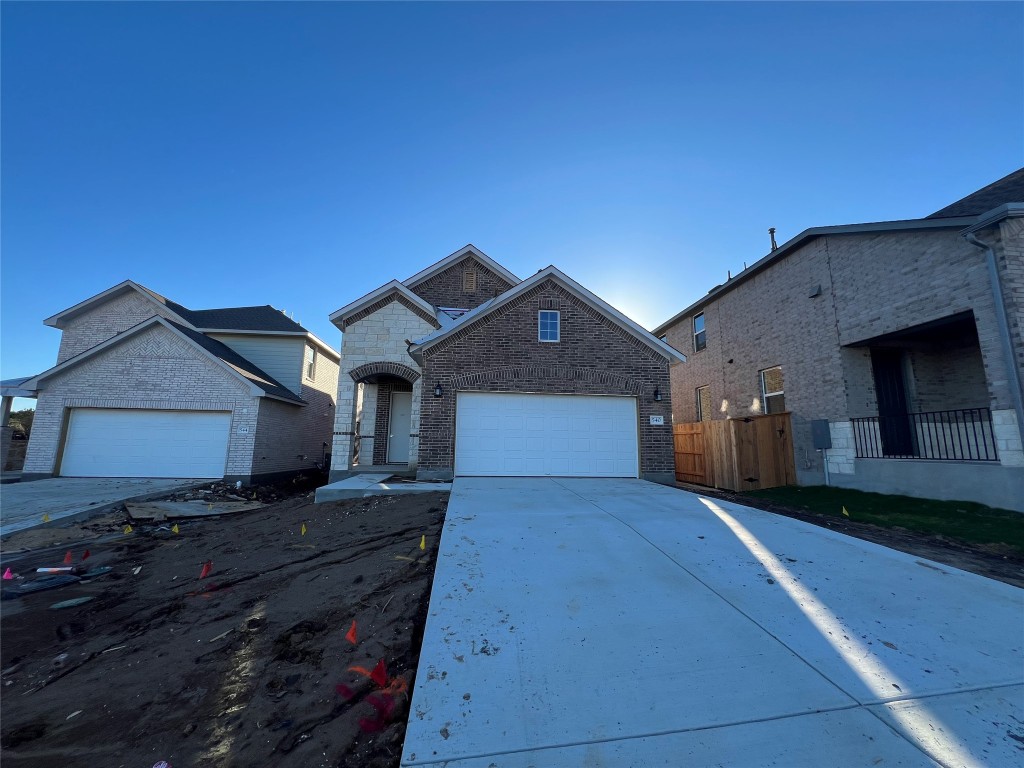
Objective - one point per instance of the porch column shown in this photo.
(414, 423)
(6, 403)
(344, 421)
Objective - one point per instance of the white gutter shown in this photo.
(1002, 322)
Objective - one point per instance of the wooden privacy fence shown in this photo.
(736, 454)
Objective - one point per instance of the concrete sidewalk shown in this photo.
(22, 505)
(621, 623)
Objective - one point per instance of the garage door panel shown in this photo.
(545, 435)
(104, 442)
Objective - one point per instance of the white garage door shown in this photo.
(134, 443)
(541, 435)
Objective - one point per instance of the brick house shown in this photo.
(464, 369)
(144, 387)
(906, 336)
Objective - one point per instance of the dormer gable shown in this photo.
(462, 281)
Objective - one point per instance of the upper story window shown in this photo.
(699, 335)
(309, 369)
(548, 325)
(772, 398)
(469, 280)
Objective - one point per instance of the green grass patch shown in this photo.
(963, 520)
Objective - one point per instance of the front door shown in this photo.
(893, 413)
(399, 427)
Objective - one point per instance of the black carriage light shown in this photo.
(657, 395)
(437, 390)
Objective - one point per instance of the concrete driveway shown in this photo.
(22, 505)
(619, 623)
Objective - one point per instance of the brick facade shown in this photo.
(105, 321)
(500, 353)
(808, 310)
(445, 289)
(159, 370)
(155, 370)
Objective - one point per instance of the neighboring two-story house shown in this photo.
(144, 387)
(464, 369)
(906, 336)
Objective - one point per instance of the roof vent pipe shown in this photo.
(771, 234)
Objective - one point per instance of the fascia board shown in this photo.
(447, 261)
(54, 320)
(114, 341)
(578, 290)
(809, 234)
(338, 316)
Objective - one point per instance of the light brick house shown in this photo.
(906, 336)
(463, 369)
(144, 387)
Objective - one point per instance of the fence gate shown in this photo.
(691, 466)
(736, 454)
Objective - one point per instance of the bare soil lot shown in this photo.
(247, 666)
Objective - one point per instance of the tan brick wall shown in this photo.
(290, 437)
(445, 288)
(1009, 250)
(501, 353)
(155, 370)
(871, 284)
(105, 321)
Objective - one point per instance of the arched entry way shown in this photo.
(383, 420)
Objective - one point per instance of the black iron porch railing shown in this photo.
(961, 435)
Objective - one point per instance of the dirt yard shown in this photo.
(249, 666)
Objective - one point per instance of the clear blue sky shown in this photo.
(302, 154)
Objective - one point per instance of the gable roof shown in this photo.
(569, 284)
(340, 316)
(459, 255)
(260, 382)
(1009, 189)
(260, 318)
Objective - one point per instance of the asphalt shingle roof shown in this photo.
(1009, 189)
(264, 318)
(245, 367)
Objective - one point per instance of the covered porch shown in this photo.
(931, 397)
(381, 433)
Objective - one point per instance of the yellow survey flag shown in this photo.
(128, 528)
(175, 528)
(845, 512)
(423, 542)
(303, 529)
(46, 517)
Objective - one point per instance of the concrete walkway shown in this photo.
(361, 486)
(620, 623)
(22, 505)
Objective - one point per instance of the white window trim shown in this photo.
(700, 413)
(765, 395)
(306, 362)
(693, 328)
(558, 326)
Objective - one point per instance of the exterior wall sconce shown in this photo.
(437, 390)
(657, 395)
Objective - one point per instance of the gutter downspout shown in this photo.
(1004, 329)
